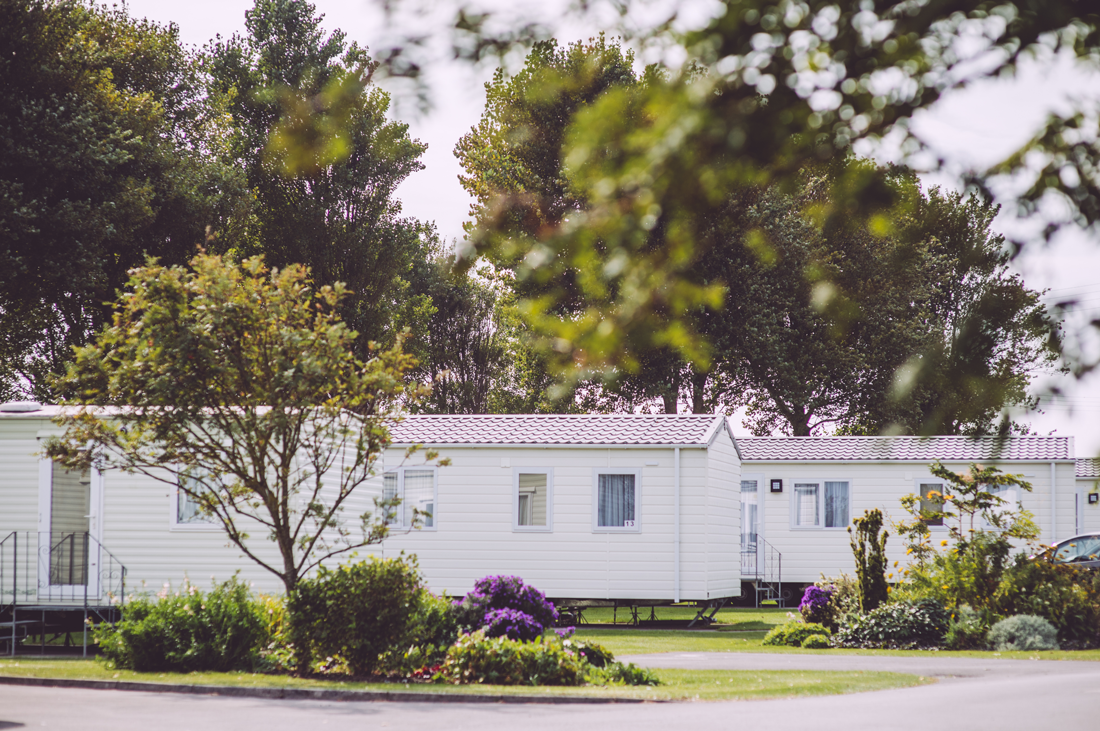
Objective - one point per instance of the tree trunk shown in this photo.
(671, 402)
(699, 392)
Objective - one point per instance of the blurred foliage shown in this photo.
(769, 90)
(109, 152)
(864, 322)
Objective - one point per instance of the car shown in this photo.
(1081, 551)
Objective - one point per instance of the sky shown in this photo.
(970, 129)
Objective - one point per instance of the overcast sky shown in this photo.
(972, 129)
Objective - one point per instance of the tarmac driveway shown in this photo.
(972, 695)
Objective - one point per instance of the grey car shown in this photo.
(1081, 551)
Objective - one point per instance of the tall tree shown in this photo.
(786, 86)
(108, 154)
(335, 211)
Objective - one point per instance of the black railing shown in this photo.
(44, 571)
(762, 565)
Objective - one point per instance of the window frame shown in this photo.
(819, 482)
(206, 526)
(399, 521)
(637, 474)
(942, 527)
(549, 527)
(762, 490)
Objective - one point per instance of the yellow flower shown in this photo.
(889, 589)
(895, 564)
(943, 543)
(945, 586)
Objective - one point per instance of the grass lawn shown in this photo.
(733, 619)
(643, 641)
(676, 684)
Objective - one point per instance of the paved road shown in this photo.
(973, 695)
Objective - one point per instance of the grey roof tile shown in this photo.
(916, 449)
(563, 429)
(1088, 467)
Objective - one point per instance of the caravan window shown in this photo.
(617, 501)
(416, 488)
(532, 499)
(821, 504)
(187, 513)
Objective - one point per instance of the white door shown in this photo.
(70, 528)
(752, 487)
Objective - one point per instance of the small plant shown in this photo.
(816, 642)
(188, 631)
(966, 630)
(1023, 632)
(869, 549)
(792, 634)
(898, 625)
(618, 673)
(815, 606)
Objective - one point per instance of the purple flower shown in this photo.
(511, 623)
(565, 632)
(815, 603)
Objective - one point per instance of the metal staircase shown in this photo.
(54, 584)
(762, 568)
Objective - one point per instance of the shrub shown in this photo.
(504, 592)
(967, 574)
(1023, 632)
(816, 642)
(475, 658)
(793, 634)
(898, 625)
(1067, 597)
(966, 630)
(869, 548)
(358, 611)
(188, 631)
(843, 601)
(548, 660)
(618, 673)
(511, 623)
(432, 630)
(815, 606)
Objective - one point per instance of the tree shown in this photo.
(108, 154)
(819, 322)
(785, 86)
(237, 384)
(323, 192)
(968, 506)
(460, 348)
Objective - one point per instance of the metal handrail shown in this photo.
(33, 565)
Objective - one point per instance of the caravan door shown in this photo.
(70, 527)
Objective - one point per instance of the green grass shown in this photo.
(676, 684)
(642, 641)
(729, 619)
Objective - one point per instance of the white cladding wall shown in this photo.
(474, 534)
(137, 525)
(1088, 515)
(723, 510)
(19, 484)
(808, 553)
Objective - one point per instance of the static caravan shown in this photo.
(799, 494)
(617, 509)
(1088, 496)
(129, 527)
